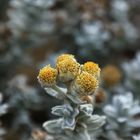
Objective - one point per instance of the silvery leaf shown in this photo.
(94, 122)
(54, 93)
(57, 110)
(122, 119)
(74, 98)
(63, 110)
(3, 109)
(83, 135)
(69, 123)
(111, 135)
(135, 110)
(69, 119)
(111, 124)
(136, 137)
(110, 111)
(86, 108)
(134, 123)
(63, 89)
(54, 126)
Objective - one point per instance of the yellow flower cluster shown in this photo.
(83, 79)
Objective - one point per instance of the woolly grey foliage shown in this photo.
(3, 110)
(76, 120)
(136, 137)
(3, 107)
(36, 16)
(120, 116)
(132, 74)
(92, 32)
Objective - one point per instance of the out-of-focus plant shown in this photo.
(30, 20)
(101, 26)
(111, 76)
(75, 114)
(136, 137)
(132, 74)
(106, 28)
(3, 110)
(122, 117)
(3, 107)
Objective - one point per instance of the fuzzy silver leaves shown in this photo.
(136, 137)
(68, 113)
(56, 92)
(86, 108)
(54, 126)
(120, 115)
(83, 135)
(61, 93)
(74, 98)
(76, 119)
(94, 122)
(3, 107)
(132, 75)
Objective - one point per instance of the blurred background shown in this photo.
(34, 32)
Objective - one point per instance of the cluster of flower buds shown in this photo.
(82, 80)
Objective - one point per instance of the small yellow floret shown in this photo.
(92, 68)
(47, 76)
(64, 57)
(68, 69)
(86, 83)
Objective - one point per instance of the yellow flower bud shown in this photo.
(64, 57)
(47, 76)
(84, 84)
(68, 69)
(92, 68)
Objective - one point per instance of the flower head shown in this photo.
(92, 68)
(85, 84)
(111, 75)
(64, 57)
(47, 76)
(68, 69)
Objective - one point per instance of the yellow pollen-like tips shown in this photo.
(47, 76)
(81, 80)
(64, 57)
(92, 68)
(86, 83)
(68, 69)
